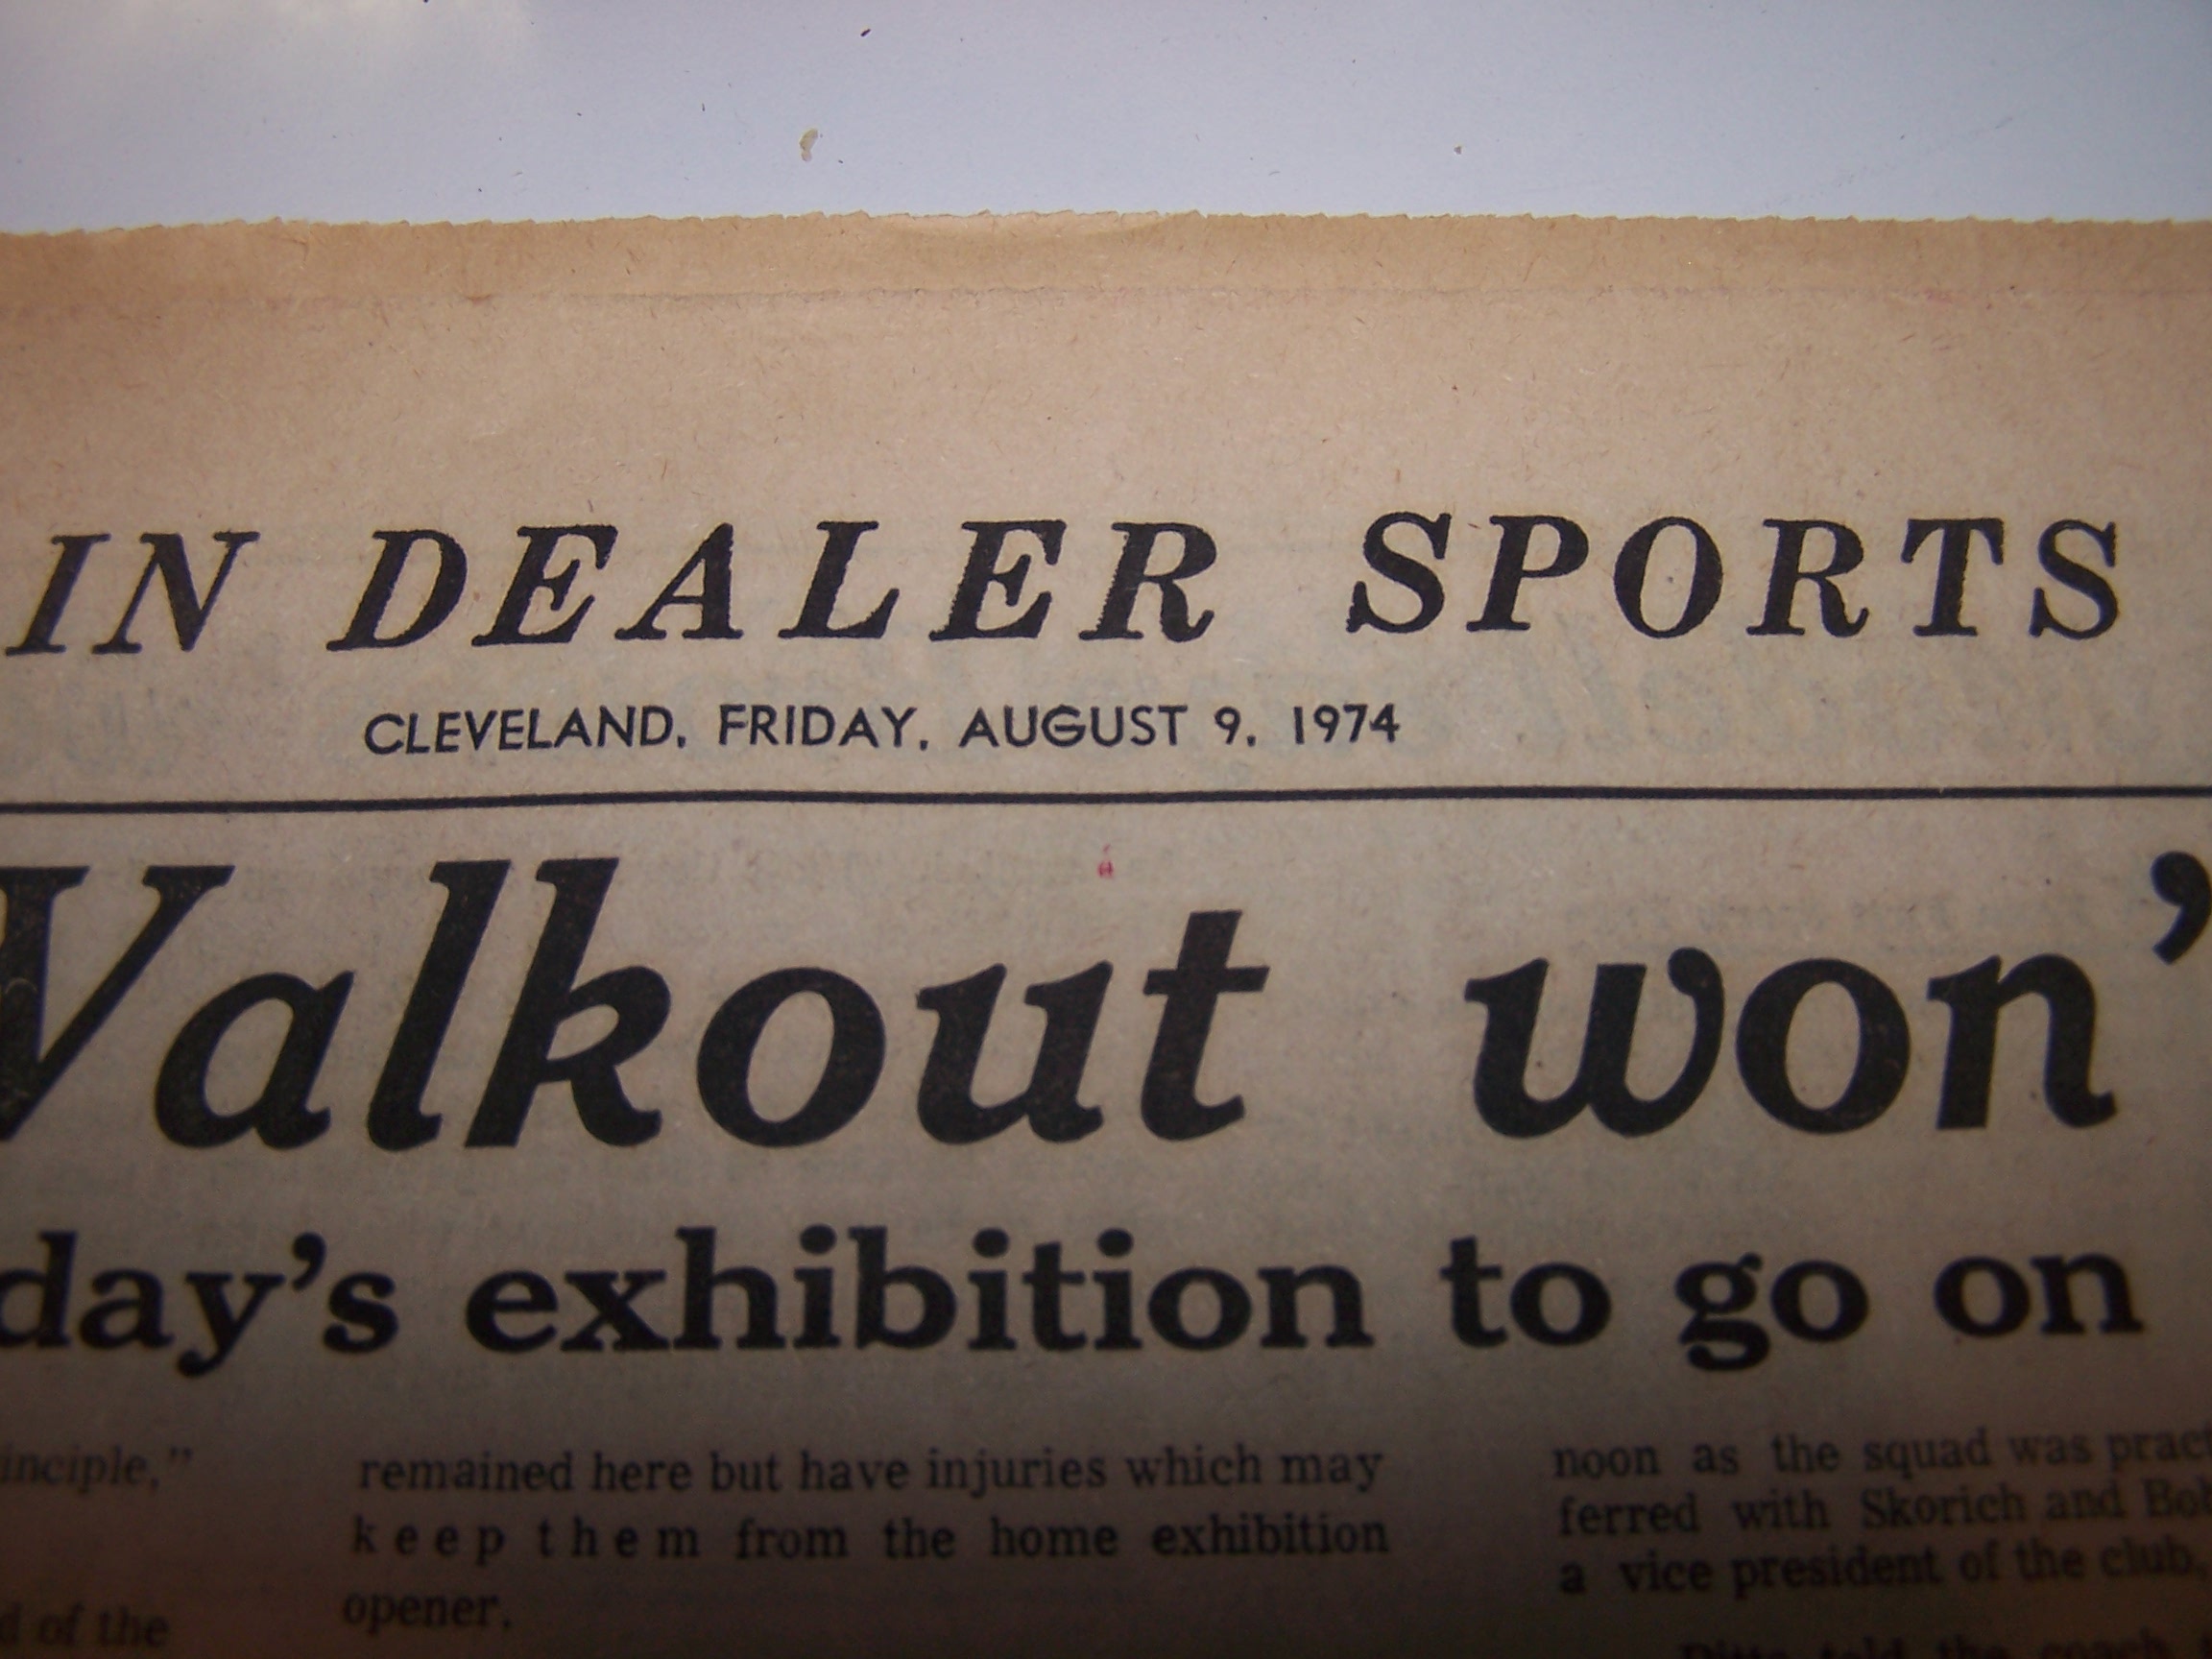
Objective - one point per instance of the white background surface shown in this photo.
(128, 113)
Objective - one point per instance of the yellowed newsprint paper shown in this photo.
(1107, 937)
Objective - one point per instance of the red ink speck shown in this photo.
(1106, 862)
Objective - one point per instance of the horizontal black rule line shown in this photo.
(1381, 793)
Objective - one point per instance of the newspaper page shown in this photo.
(1103, 935)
